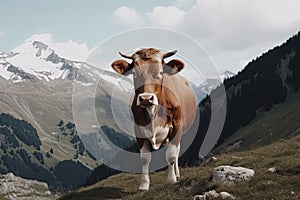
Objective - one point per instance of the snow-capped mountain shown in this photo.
(39, 57)
(211, 83)
(227, 74)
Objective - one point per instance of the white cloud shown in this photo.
(127, 16)
(233, 31)
(169, 16)
(236, 24)
(236, 31)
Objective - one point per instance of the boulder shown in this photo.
(16, 188)
(229, 174)
(213, 194)
(272, 169)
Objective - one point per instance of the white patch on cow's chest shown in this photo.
(158, 136)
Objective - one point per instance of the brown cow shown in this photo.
(163, 107)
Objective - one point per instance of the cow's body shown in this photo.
(164, 107)
(176, 97)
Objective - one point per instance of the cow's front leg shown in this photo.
(173, 149)
(145, 159)
(171, 157)
(177, 173)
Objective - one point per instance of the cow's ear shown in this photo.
(173, 67)
(121, 66)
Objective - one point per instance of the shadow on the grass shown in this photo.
(96, 194)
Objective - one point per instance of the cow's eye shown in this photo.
(133, 74)
(160, 75)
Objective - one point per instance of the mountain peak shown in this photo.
(42, 58)
(69, 50)
(45, 38)
(227, 74)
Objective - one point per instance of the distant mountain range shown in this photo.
(39, 58)
(211, 83)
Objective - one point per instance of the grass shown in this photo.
(283, 184)
(280, 122)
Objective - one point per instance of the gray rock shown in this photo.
(272, 169)
(199, 197)
(213, 194)
(229, 175)
(16, 188)
(226, 195)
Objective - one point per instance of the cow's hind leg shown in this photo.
(145, 159)
(171, 156)
(177, 173)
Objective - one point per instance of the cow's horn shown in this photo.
(126, 56)
(168, 54)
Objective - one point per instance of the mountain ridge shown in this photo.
(265, 83)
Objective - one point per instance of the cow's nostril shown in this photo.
(147, 99)
(141, 99)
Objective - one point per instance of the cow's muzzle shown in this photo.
(147, 100)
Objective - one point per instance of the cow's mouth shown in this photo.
(146, 105)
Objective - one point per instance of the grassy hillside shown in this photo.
(44, 104)
(284, 184)
(281, 121)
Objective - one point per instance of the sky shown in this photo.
(233, 32)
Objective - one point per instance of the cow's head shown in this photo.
(148, 69)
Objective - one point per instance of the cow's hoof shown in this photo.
(144, 187)
(172, 179)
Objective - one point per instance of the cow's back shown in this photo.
(185, 96)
